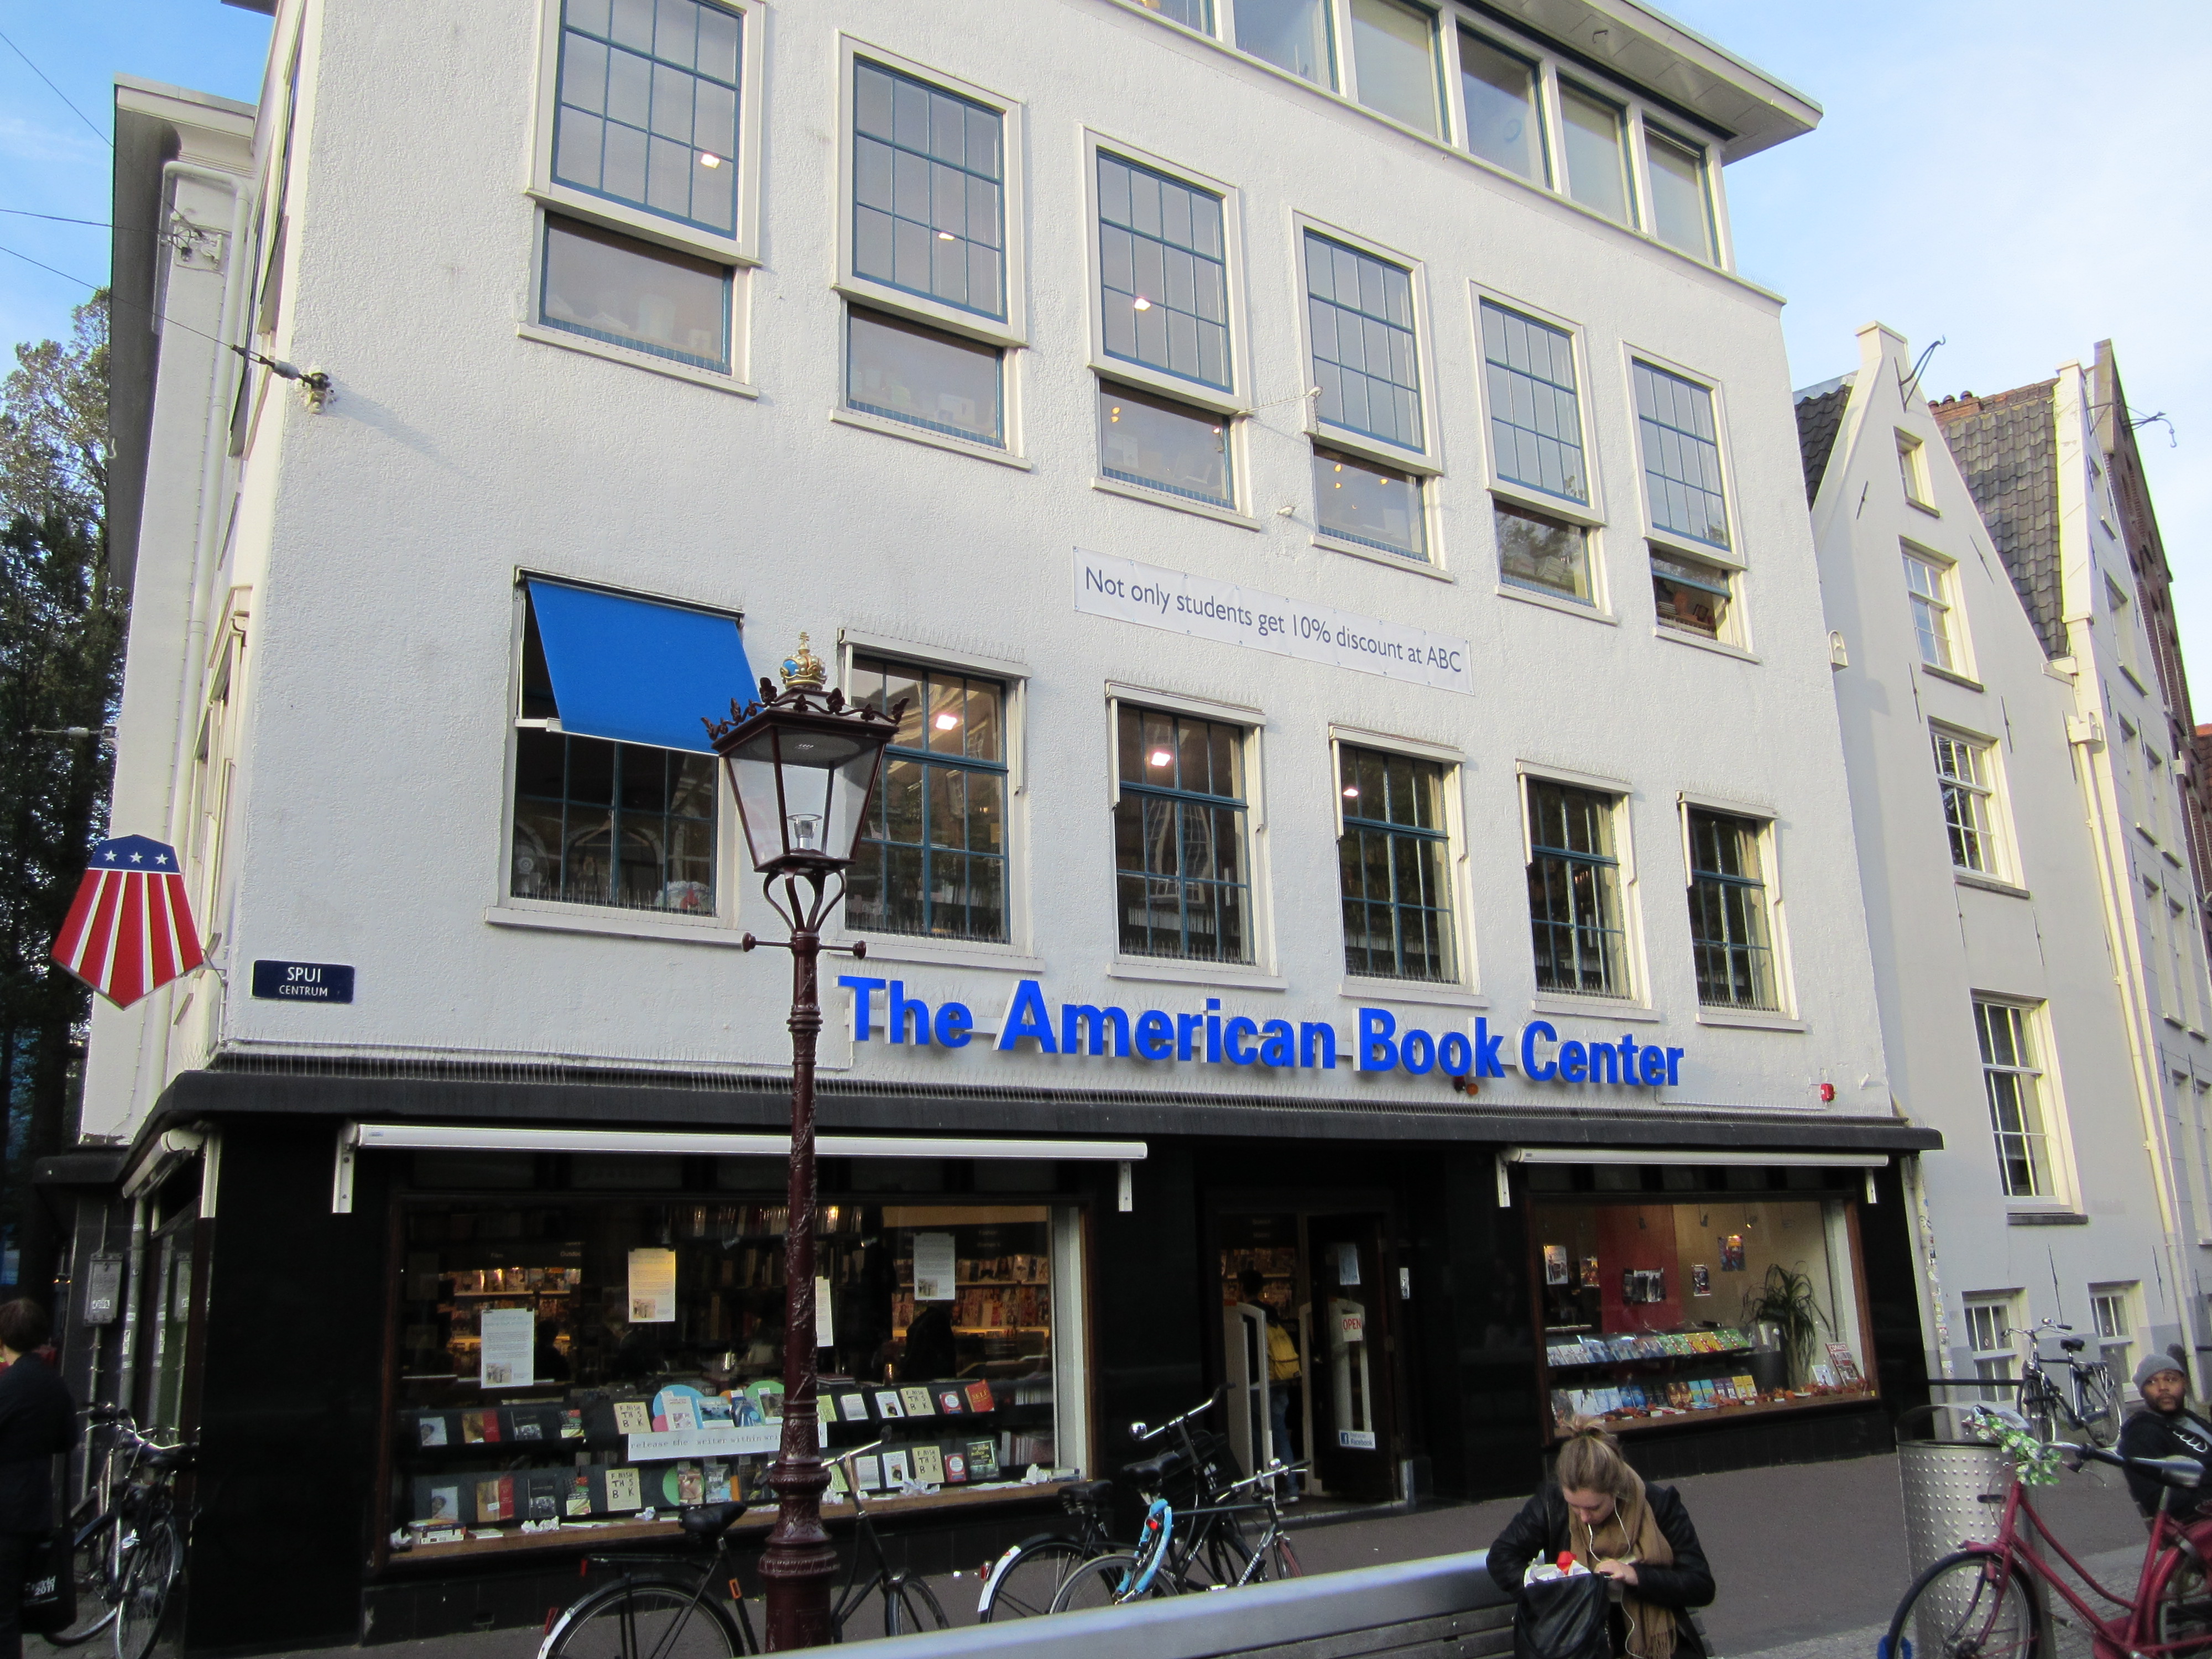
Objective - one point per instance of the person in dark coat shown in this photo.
(1601, 1512)
(37, 1422)
(2165, 1427)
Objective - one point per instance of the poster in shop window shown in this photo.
(653, 1287)
(934, 1267)
(509, 1349)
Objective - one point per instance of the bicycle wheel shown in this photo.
(2182, 1617)
(1276, 1561)
(2039, 1404)
(645, 1618)
(95, 1598)
(1969, 1606)
(1106, 1581)
(156, 1555)
(1022, 1585)
(2097, 1404)
(910, 1607)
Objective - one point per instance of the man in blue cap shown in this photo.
(2165, 1427)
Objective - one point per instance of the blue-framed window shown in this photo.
(596, 822)
(647, 107)
(1681, 456)
(628, 292)
(1574, 891)
(1729, 939)
(1163, 444)
(1366, 502)
(1182, 885)
(1366, 356)
(1535, 411)
(1394, 865)
(928, 190)
(923, 376)
(932, 856)
(1163, 272)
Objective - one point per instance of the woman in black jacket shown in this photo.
(1613, 1524)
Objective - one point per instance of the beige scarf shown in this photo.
(1630, 1533)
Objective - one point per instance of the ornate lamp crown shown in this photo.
(803, 671)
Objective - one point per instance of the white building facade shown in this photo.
(1369, 815)
(1998, 886)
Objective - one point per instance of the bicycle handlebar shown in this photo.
(1268, 1473)
(1144, 1434)
(2176, 1471)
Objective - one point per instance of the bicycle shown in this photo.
(127, 1540)
(1159, 1566)
(1986, 1600)
(2094, 1408)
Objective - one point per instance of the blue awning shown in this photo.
(636, 671)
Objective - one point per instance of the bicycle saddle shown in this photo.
(169, 1457)
(710, 1520)
(1154, 1470)
(1085, 1494)
(2073, 1344)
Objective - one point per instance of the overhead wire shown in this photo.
(58, 92)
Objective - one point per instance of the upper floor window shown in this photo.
(1393, 859)
(1370, 504)
(1297, 35)
(1366, 359)
(1729, 931)
(633, 294)
(1182, 888)
(1912, 468)
(928, 191)
(1535, 414)
(907, 371)
(932, 856)
(1535, 551)
(1966, 769)
(1394, 60)
(2012, 1076)
(1929, 585)
(1681, 205)
(1163, 272)
(1191, 14)
(1574, 891)
(647, 110)
(1594, 140)
(1502, 92)
(1681, 456)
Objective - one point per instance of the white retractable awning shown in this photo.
(1777, 1158)
(444, 1137)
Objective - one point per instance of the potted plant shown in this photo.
(1785, 1302)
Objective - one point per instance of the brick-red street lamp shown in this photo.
(803, 766)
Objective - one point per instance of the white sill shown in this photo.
(2178, 1024)
(1952, 675)
(1991, 884)
(1595, 1008)
(1722, 558)
(1172, 970)
(1750, 1019)
(1566, 511)
(644, 359)
(919, 434)
(1361, 989)
(2169, 855)
(1405, 561)
(946, 953)
(1699, 641)
(1929, 507)
(1180, 503)
(617, 924)
(1559, 602)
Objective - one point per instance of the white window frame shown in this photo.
(1999, 1354)
(1449, 123)
(741, 248)
(1945, 570)
(1451, 788)
(736, 379)
(1427, 462)
(2058, 1141)
(1912, 470)
(1997, 834)
(1013, 332)
(1786, 1010)
(1635, 1001)
(1670, 133)
(1591, 515)
(2127, 1294)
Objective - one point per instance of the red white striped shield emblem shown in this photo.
(129, 931)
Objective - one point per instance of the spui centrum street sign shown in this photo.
(303, 981)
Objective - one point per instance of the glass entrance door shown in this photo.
(1355, 1438)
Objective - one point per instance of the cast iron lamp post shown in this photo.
(803, 766)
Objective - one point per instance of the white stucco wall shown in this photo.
(380, 541)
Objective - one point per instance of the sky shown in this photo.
(2017, 178)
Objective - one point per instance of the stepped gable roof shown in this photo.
(2007, 447)
(1819, 418)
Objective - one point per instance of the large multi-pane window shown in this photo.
(1730, 938)
(1681, 214)
(1929, 586)
(1393, 47)
(1360, 309)
(647, 110)
(932, 857)
(598, 822)
(2012, 1074)
(1366, 502)
(1182, 885)
(1535, 411)
(1394, 859)
(1966, 769)
(1574, 891)
(1681, 456)
(1596, 153)
(1163, 272)
(928, 191)
(630, 292)
(1163, 444)
(1501, 91)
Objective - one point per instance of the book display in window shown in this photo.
(625, 1401)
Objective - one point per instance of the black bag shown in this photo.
(48, 1604)
(1566, 1619)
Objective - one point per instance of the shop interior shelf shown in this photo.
(1655, 1359)
(1729, 1413)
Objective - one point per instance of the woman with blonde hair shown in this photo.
(1600, 1511)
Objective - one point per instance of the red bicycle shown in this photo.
(1989, 1600)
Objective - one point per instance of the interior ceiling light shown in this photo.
(708, 159)
(1141, 303)
(947, 721)
(1161, 758)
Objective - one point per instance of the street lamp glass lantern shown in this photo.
(803, 777)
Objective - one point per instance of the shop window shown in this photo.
(1183, 887)
(932, 859)
(585, 1359)
(1655, 1313)
(1729, 938)
(1574, 891)
(1394, 860)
